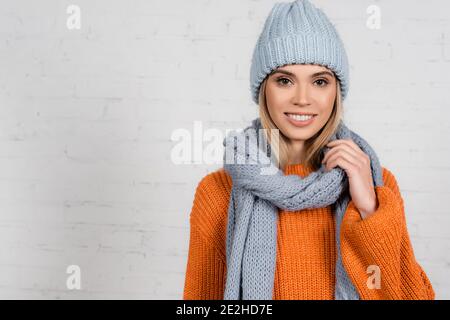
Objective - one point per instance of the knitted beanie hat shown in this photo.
(297, 33)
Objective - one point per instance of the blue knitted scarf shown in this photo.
(259, 188)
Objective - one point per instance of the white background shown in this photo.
(86, 117)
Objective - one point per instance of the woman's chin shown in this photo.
(297, 137)
(298, 133)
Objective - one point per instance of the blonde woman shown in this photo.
(329, 221)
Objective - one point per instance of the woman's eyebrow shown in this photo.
(322, 73)
(312, 76)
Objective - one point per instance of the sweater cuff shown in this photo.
(385, 224)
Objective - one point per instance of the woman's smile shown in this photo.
(300, 120)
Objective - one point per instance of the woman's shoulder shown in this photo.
(212, 195)
(390, 181)
(216, 182)
(389, 178)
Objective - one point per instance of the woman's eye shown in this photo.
(281, 80)
(322, 81)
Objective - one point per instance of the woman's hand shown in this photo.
(347, 155)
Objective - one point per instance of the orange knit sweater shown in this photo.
(306, 252)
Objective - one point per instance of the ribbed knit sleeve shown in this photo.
(382, 241)
(206, 264)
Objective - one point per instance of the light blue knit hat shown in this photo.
(298, 33)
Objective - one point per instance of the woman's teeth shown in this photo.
(299, 117)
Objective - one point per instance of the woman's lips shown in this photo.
(299, 123)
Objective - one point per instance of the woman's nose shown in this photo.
(301, 95)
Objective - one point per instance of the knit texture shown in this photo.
(259, 188)
(297, 33)
(306, 250)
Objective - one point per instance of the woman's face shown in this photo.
(300, 89)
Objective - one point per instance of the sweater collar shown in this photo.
(298, 169)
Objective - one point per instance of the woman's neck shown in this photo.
(295, 151)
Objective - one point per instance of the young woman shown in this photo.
(329, 222)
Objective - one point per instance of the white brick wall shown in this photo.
(86, 118)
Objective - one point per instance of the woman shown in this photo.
(329, 221)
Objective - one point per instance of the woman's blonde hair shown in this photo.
(312, 154)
